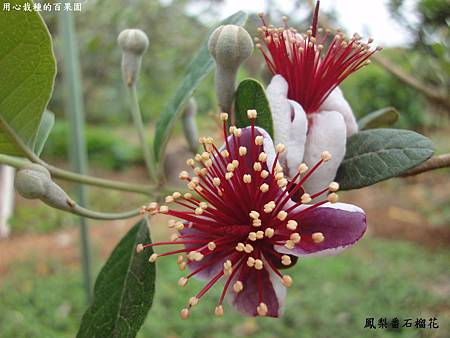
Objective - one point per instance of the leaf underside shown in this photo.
(27, 73)
(124, 289)
(250, 94)
(378, 154)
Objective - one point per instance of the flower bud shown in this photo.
(229, 45)
(34, 182)
(189, 125)
(133, 43)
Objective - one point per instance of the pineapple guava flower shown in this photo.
(309, 110)
(244, 223)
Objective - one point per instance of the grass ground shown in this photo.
(331, 297)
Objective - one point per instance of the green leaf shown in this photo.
(378, 154)
(250, 94)
(381, 118)
(45, 127)
(200, 66)
(27, 73)
(124, 289)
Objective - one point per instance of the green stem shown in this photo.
(80, 211)
(60, 173)
(137, 119)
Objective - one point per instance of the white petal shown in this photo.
(327, 133)
(281, 111)
(337, 102)
(295, 144)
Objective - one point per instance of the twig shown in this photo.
(436, 162)
(137, 119)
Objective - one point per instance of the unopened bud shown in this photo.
(34, 182)
(133, 43)
(229, 45)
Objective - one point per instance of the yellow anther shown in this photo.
(280, 148)
(252, 236)
(257, 166)
(238, 286)
(306, 198)
(187, 195)
(254, 214)
(289, 244)
(286, 260)
(248, 248)
(256, 222)
(193, 301)
(264, 187)
(259, 264)
(291, 224)
(295, 237)
(325, 156)
(318, 237)
(252, 114)
(218, 311)
(287, 281)
(235, 163)
(269, 232)
(224, 116)
(237, 132)
(282, 183)
(242, 151)
(250, 262)
(208, 163)
(176, 195)
(282, 215)
(262, 157)
(139, 248)
(264, 174)
(333, 186)
(216, 181)
(247, 178)
(211, 246)
(198, 211)
(190, 162)
(169, 199)
(333, 197)
(260, 234)
(225, 153)
(163, 209)
(262, 309)
(203, 205)
(184, 313)
(240, 247)
(259, 140)
(183, 175)
(179, 226)
(182, 281)
(228, 176)
(279, 176)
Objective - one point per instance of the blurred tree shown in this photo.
(174, 37)
(431, 40)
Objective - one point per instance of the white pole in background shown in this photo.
(6, 198)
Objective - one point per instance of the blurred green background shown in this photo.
(400, 269)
